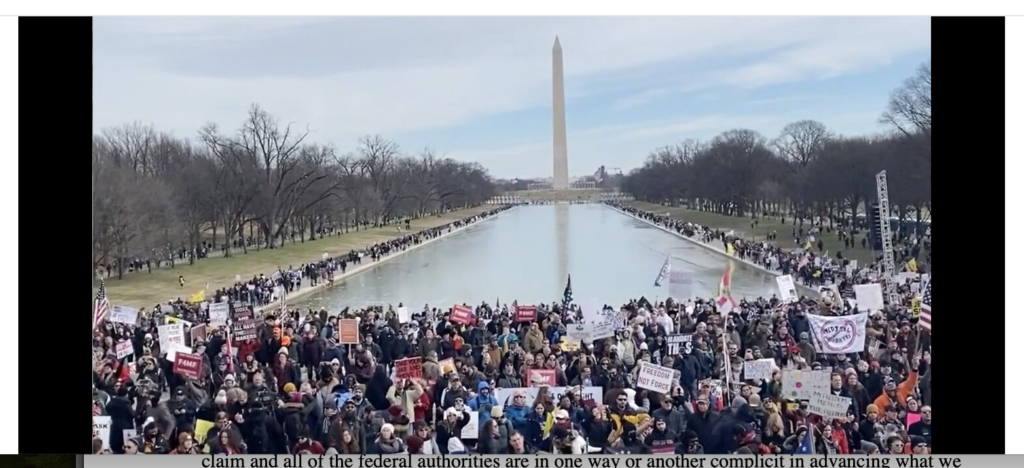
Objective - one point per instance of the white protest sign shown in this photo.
(124, 349)
(504, 395)
(602, 330)
(219, 313)
(654, 378)
(869, 296)
(798, 385)
(171, 335)
(403, 315)
(824, 403)
(472, 429)
(174, 349)
(758, 370)
(101, 430)
(593, 311)
(579, 332)
(124, 314)
(838, 335)
(787, 290)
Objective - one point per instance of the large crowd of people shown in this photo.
(512, 380)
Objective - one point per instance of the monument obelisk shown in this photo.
(561, 157)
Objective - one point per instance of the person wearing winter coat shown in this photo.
(405, 393)
(387, 443)
(661, 439)
(509, 378)
(451, 429)
(483, 402)
(675, 419)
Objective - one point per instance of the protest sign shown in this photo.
(587, 394)
(170, 335)
(599, 331)
(446, 366)
(760, 369)
(679, 343)
(403, 315)
(348, 331)
(869, 296)
(244, 330)
(592, 311)
(124, 314)
(124, 349)
(189, 365)
(787, 290)
(198, 333)
(462, 314)
(219, 312)
(579, 332)
(567, 345)
(838, 335)
(654, 378)
(541, 378)
(680, 284)
(824, 403)
(525, 313)
(472, 428)
(202, 430)
(411, 368)
(101, 429)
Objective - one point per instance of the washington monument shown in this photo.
(561, 158)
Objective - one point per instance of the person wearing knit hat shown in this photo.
(455, 447)
(289, 387)
(868, 447)
(414, 444)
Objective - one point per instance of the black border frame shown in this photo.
(968, 62)
(55, 137)
(55, 58)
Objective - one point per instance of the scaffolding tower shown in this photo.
(885, 231)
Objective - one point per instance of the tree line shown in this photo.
(806, 170)
(155, 195)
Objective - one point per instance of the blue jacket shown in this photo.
(482, 403)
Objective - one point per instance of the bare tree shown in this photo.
(910, 106)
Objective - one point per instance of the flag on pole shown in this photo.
(725, 301)
(663, 273)
(101, 307)
(567, 295)
(926, 308)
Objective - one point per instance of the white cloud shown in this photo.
(347, 77)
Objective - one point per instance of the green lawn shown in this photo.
(144, 289)
(759, 232)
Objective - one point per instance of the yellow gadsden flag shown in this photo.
(198, 297)
(912, 265)
(729, 249)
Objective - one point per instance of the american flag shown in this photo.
(102, 306)
(567, 295)
(926, 308)
(663, 273)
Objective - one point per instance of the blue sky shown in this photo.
(479, 89)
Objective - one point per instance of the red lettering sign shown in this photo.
(541, 378)
(526, 313)
(462, 314)
(188, 365)
(411, 368)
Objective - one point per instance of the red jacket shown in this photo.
(421, 406)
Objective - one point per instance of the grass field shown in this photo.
(759, 232)
(144, 289)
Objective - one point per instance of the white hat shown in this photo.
(562, 414)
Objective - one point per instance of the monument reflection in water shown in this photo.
(526, 254)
